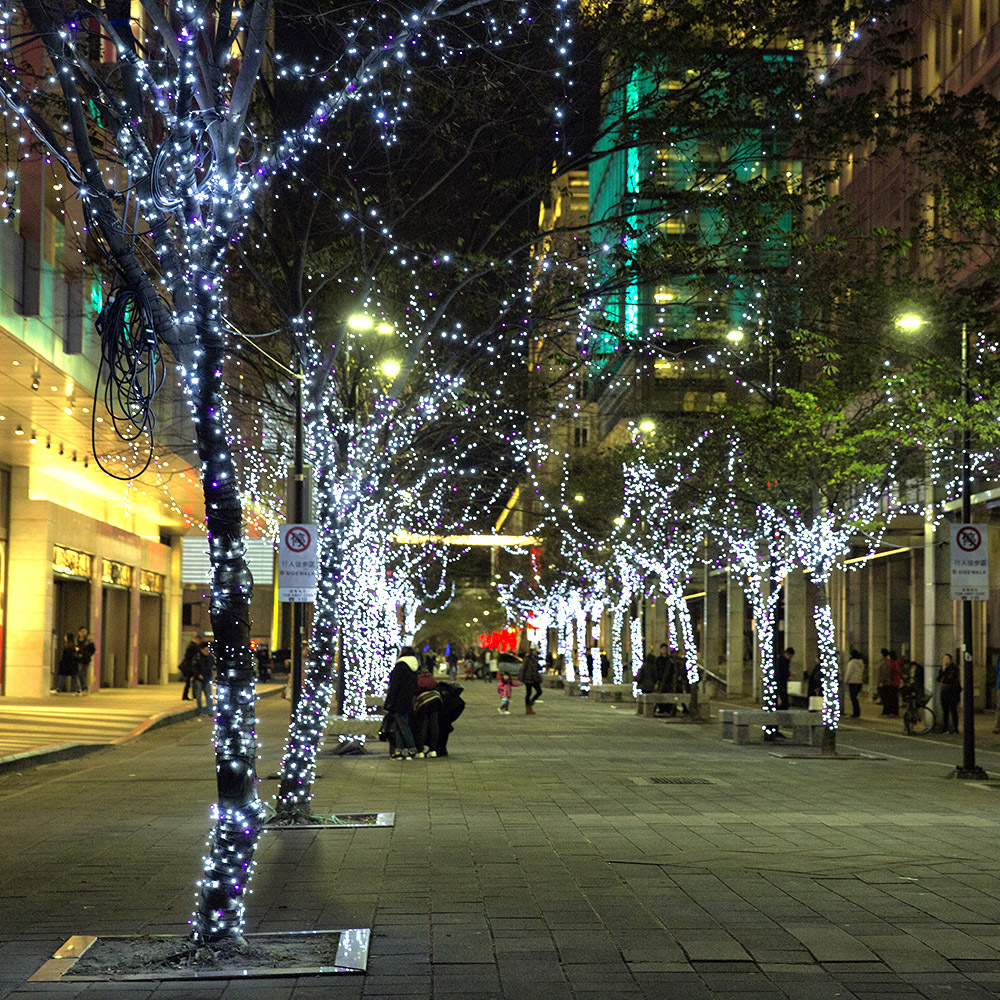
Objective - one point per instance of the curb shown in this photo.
(68, 751)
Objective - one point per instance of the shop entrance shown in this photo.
(71, 609)
(150, 606)
(115, 637)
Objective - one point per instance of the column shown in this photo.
(916, 604)
(878, 617)
(939, 612)
(735, 625)
(29, 613)
(798, 623)
(713, 640)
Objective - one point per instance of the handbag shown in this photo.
(385, 728)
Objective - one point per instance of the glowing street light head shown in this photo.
(647, 426)
(385, 328)
(390, 368)
(735, 336)
(359, 321)
(910, 321)
(578, 498)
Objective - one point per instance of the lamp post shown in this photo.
(968, 768)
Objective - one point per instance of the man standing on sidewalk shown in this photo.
(85, 653)
(782, 672)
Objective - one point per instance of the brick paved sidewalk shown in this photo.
(579, 853)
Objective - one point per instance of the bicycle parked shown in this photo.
(918, 718)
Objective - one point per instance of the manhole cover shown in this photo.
(664, 780)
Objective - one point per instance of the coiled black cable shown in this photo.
(130, 372)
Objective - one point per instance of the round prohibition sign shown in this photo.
(969, 539)
(297, 539)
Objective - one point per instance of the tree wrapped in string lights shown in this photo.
(816, 474)
(148, 120)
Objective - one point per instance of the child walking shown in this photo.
(504, 685)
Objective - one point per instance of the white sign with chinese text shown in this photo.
(298, 562)
(970, 563)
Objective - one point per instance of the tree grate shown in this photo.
(662, 780)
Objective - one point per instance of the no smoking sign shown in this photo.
(970, 563)
(968, 538)
(298, 538)
(298, 563)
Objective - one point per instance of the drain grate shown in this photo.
(664, 780)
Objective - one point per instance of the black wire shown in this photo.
(131, 371)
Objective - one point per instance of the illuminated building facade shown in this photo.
(77, 547)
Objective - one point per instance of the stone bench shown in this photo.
(611, 692)
(553, 681)
(645, 704)
(747, 725)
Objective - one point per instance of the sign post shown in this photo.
(298, 569)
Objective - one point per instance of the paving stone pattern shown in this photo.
(538, 860)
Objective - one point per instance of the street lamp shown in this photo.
(360, 322)
(968, 769)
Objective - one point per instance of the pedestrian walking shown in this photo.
(854, 677)
(69, 666)
(529, 676)
(950, 685)
(504, 686)
(201, 681)
(399, 702)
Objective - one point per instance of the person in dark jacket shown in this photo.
(648, 677)
(669, 676)
(69, 666)
(426, 712)
(399, 701)
(85, 650)
(782, 674)
(187, 665)
(452, 706)
(950, 684)
(530, 678)
(201, 679)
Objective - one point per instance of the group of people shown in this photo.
(198, 670)
(666, 673)
(419, 709)
(74, 662)
(896, 681)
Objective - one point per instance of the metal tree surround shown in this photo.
(155, 141)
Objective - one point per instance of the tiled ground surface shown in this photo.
(540, 860)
